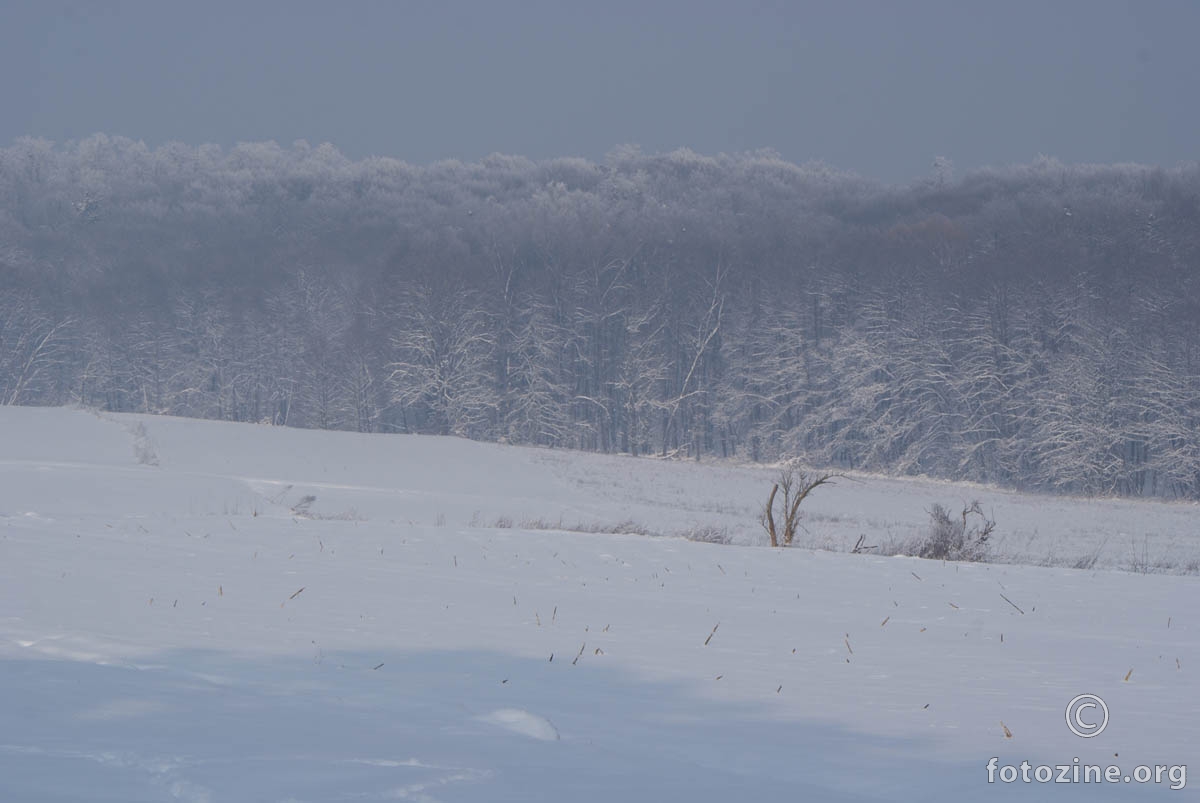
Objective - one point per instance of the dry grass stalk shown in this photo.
(1010, 602)
(860, 546)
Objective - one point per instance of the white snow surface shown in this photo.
(177, 623)
(524, 723)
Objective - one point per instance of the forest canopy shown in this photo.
(1035, 325)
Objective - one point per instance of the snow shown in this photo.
(524, 723)
(172, 629)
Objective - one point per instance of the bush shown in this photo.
(963, 537)
(708, 533)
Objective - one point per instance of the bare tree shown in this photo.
(536, 409)
(697, 346)
(442, 371)
(796, 486)
(642, 372)
(31, 342)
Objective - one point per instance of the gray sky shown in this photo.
(875, 87)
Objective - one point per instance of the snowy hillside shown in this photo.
(201, 611)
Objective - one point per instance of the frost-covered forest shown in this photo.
(1037, 326)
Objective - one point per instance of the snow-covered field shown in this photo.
(180, 621)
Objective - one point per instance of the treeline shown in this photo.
(1037, 326)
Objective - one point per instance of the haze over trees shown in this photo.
(1037, 325)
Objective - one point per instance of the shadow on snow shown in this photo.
(207, 727)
